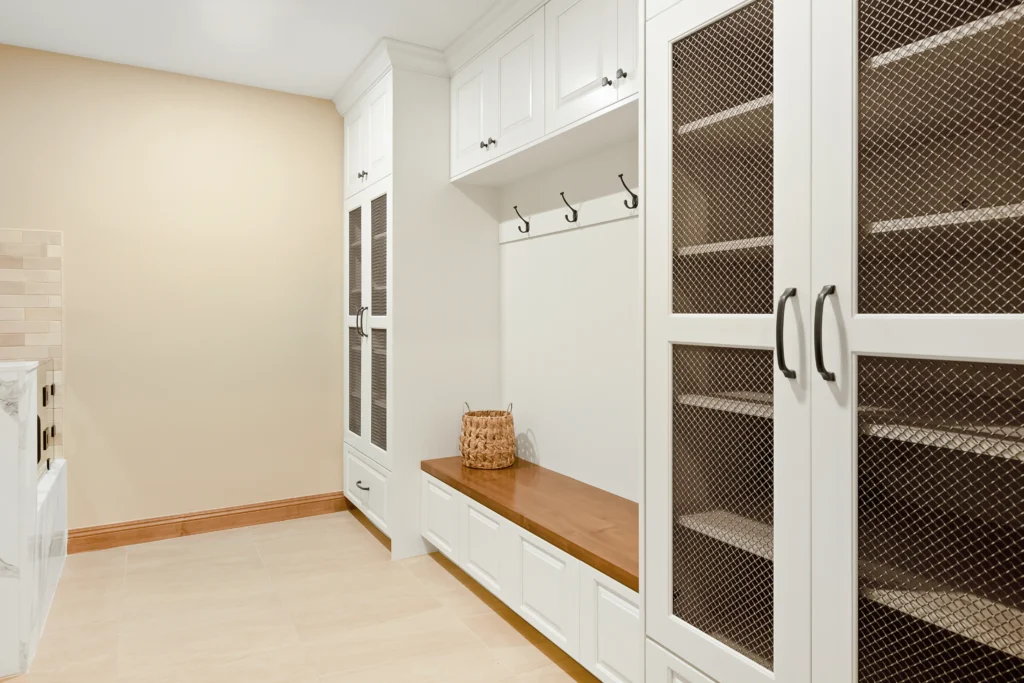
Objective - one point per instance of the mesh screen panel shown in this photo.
(722, 172)
(941, 169)
(940, 520)
(722, 499)
(355, 260)
(355, 380)
(379, 255)
(379, 384)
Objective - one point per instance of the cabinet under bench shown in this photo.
(560, 553)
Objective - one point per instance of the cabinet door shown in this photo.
(472, 114)
(611, 633)
(355, 149)
(355, 299)
(727, 466)
(581, 55)
(546, 593)
(519, 70)
(485, 548)
(918, 434)
(439, 516)
(367, 487)
(377, 211)
(378, 130)
(662, 667)
(627, 72)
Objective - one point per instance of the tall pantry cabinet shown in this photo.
(835, 373)
(415, 256)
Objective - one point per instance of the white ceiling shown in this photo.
(308, 47)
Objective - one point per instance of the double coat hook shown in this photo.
(575, 213)
(634, 199)
(525, 227)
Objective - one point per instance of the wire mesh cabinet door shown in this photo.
(355, 306)
(377, 325)
(918, 411)
(728, 435)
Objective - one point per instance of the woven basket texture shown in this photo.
(488, 440)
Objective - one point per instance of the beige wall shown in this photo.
(202, 280)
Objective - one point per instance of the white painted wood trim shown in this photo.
(501, 18)
(388, 54)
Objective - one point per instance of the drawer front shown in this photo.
(439, 516)
(485, 545)
(547, 591)
(611, 635)
(663, 667)
(368, 487)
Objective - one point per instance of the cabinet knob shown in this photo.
(606, 81)
(483, 145)
(491, 141)
(620, 74)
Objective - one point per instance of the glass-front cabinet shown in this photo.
(368, 319)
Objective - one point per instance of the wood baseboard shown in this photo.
(160, 528)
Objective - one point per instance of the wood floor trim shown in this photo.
(160, 528)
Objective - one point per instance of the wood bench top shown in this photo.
(594, 526)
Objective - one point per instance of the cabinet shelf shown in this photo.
(970, 616)
(753, 246)
(750, 121)
(754, 537)
(968, 217)
(741, 402)
(1001, 442)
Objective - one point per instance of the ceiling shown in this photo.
(307, 47)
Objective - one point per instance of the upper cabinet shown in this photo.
(566, 61)
(368, 138)
(498, 98)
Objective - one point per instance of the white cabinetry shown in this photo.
(485, 550)
(889, 309)
(440, 517)
(662, 667)
(366, 485)
(609, 622)
(368, 138)
(404, 225)
(498, 99)
(547, 593)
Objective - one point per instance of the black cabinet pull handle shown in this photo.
(361, 320)
(46, 391)
(819, 310)
(46, 439)
(780, 326)
(359, 485)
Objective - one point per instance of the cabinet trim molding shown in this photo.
(503, 16)
(388, 53)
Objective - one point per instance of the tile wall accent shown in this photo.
(31, 307)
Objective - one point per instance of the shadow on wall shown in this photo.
(526, 447)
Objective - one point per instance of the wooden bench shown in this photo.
(562, 554)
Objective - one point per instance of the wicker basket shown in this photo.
(488, 440)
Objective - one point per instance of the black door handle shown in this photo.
(819, 310)
(780, 325)
(359, 485)
(360, 320)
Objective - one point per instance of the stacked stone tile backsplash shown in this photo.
(31, 307)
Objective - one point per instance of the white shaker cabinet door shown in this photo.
(581, 39)
(355, 149)
(378, 130)
(439, 516)
(519, 69)
(471, 111)
(485, 545)
(546, 593)
(627, 73)
(611, 633)
(662, 667)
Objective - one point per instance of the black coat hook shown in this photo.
(526, 223)
(575, 213)
(636, 199)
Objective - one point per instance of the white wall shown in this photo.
(572, 330)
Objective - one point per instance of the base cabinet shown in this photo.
(609, 622)
(366, 487)
(663, 667)
(591, 617)
(485, 549)
(547, 593)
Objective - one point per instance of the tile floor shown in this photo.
(314, 600)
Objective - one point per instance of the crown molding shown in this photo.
(503, 16)
(386, 55)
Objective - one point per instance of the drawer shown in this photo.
(611, 635)
(547, 590)
(485, 548)
(439, 516)
(366, 485)
(663, 667)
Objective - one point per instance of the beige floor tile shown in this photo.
(316, 600)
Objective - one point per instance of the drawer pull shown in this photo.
(359, 485)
